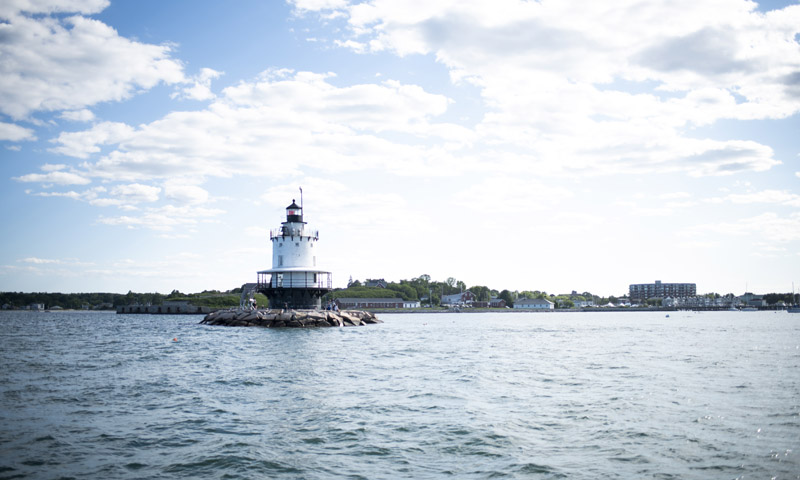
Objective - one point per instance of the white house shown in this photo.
(534, 304)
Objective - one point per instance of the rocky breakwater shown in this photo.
(290, 318)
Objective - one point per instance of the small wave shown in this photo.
(537, 469)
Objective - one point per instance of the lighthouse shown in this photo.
(294, 281)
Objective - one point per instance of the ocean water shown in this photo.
(476, 396)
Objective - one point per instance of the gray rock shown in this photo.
(291, 318)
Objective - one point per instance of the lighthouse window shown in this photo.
(280, 260)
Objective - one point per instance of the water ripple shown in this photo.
(94, 395)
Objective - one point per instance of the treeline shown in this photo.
(109, 301)
(430, 292)
(422, 288)
(417, 288)
(99, 301)
(787, 298)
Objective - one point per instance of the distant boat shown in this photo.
(748, 309)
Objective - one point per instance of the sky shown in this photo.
(521, 145)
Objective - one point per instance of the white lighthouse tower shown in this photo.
(294, 281)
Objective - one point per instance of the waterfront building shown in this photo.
(295, 280)
(752, 300)
(701, 301)
(378, 283)
(643, 291)
(497, 302)
(534, 304)
(458, 299)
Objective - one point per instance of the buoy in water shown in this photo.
(176, 338)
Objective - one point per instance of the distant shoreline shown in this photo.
(561, 310)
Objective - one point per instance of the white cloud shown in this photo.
(316, 5)
(53, 261)
(165, 218)
(555, 79)
(125, 196)
(769, 228)
(50, 167)
(82, 115)
(675, 195)
(185, 194)
(341, 204)
(69, 63)
(136, 193)
(83, 143)
(726, 158)
(357, 47)
(777, 197)
(55, 177)
(548, 74)
(105, 272)
(514, 195)
(86, 195)
(11, 8)
(38, 260)
(200, 88)
(554, 90)
(255, 126)
(15, 133)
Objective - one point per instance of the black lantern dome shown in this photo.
(294, 213)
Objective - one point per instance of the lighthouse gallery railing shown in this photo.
(322, 280)
(293, 232)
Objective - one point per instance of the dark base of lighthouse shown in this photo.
(296, 298)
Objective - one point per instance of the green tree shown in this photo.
(508, 297)
(482, 294)
(565, 303)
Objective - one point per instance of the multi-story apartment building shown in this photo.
(643, 291)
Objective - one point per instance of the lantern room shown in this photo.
(294, 213)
